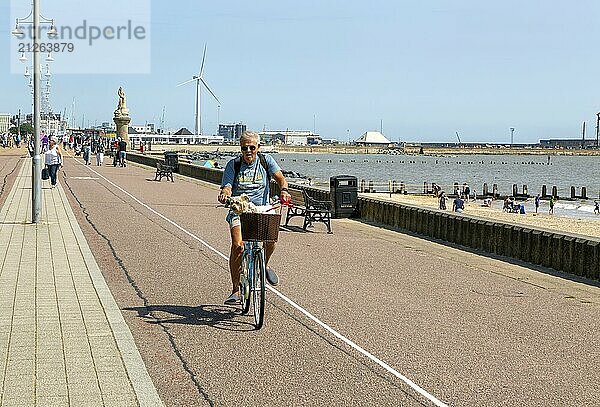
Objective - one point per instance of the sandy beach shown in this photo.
(580, 226)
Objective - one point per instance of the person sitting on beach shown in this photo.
(507, 204)
(458, 205)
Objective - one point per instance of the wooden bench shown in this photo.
(309, 208)
(163, 170)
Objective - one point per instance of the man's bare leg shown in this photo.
(235, 257)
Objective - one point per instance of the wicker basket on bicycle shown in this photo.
(260, 227)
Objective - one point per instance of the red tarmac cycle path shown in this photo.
(469, 329)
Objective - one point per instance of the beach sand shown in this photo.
(580, 226)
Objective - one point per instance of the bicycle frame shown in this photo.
(252, 250)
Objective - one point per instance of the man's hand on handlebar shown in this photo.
(285, 197)
(224, 194)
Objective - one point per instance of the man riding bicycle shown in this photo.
(250, 175)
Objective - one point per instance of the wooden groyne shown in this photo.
(456, 189)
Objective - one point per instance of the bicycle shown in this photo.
(257, 228)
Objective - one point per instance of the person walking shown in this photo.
(87, 150)
(44, 142)
(53, 159)
(100, 153)
(551, 210)
(122, 152)
(443, 201)
(537, 203)
(596, 208)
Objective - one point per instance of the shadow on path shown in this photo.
(215, 316)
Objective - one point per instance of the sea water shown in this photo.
(474, 170)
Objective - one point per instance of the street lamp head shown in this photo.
(49, 58)
(17, 32)
(27, 74)
(23, 57)
(52, 33)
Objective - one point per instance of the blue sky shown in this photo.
(426, 69)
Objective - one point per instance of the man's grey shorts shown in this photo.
(233, 219)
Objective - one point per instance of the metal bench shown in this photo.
(163, 170)
(310, 209)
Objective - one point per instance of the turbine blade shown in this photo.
(203, 57)
(191, 80)
(211, 92)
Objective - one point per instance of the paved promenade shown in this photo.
(63, 340)
(362, 317)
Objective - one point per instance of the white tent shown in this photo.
(373, 138)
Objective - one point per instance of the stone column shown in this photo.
(122, 123)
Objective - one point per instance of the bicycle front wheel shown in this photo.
(258, 289)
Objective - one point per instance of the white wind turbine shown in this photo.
(199, 79)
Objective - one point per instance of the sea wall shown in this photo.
(573, 254)
(578, 255)
(189, 170)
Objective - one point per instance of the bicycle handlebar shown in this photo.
(282, 202)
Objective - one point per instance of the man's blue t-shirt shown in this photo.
(251, 180)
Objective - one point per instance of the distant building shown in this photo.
(50, 123)
(108, 126)
(182, 136)
(4, 122)
(290, 137)
(148, 128)
(567, 143)
(183, 132)
(373, 139)
(231, 132)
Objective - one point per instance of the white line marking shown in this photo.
(323, 325)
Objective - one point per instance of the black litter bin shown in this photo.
(344, 195)
(172, 159)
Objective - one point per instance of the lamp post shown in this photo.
(512, 132)
(597, 127)
(36, 177)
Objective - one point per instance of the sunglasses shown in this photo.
(245, 148)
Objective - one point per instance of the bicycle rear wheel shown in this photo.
(245, 284)
(258, 289)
